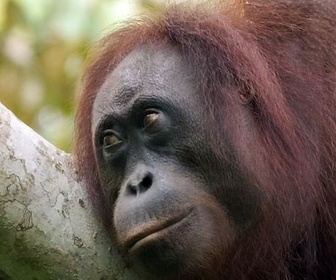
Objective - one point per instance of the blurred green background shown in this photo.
(43, 44)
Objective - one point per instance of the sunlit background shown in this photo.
(43, 44)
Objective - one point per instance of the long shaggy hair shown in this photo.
(279, 58)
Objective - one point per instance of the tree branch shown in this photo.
(48, 229)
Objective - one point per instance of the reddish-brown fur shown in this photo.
(281, 55)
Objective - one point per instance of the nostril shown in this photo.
(133, 190)
(142, 186)
(146, 182)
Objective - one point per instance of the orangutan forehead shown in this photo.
(144, 72)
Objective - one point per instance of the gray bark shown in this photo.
(47, 227)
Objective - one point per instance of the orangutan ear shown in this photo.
(247, 93)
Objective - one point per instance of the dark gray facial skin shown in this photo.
(159, 175)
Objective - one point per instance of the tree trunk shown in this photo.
(48, 229)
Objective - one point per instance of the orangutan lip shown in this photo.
(144, 232)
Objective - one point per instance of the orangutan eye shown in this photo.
(150, 119)
(111, 140)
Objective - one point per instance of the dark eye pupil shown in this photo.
(149, 119)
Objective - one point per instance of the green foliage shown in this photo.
(42, 47)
